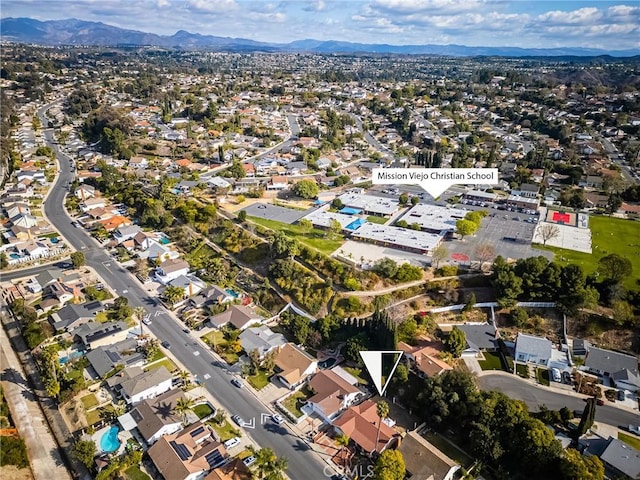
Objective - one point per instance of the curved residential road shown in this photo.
(534, 396)
(302, 461)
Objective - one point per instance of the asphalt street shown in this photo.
(534, 396)
(302, 462)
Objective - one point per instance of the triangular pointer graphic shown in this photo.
(372, 360)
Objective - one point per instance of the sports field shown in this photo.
(609, 235)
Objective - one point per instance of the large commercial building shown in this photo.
(434, 219)
(370, 204)
(400, 238)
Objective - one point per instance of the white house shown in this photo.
(531, 349)
(134, 385)
(171, 269)
(332, 394)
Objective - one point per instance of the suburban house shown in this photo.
(171, 269)
(238, 316)
(293, 365)
(91, 203)
(424, 356)
(531, 349)
(134, 385)
(155, 417)
(95, 334)
(73, 315)
(152, 250)
(360, 424)
(621, 459)
(619, 367)
(234, 470)
(424, 461)
(332, 394)
(580, 347)
(62, 292)
(124, 233)
(104, 359)
(84, 192)
(188, 454)
(262, 339)
(480, 338)
(211, 295)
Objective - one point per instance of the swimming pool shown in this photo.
(109, 441)
(328, 363)
(231, 292)
(15, 256)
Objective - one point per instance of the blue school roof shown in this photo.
(350, 211)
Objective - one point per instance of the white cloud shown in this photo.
(316, 6)
(212, 6)
(582, 16)
(431, 6)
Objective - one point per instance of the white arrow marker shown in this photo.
(264, 417)
(251, 424)
(373, 363)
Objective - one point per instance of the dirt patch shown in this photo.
(15, 473)
(600, 331)
(73, 414)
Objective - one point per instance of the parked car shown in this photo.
(621, 395)
(146, 320)
(238, 419)
(232, 442)
(635, 429)
(555, 374)
(237, 382)
(277, 418)
(249, 460)
(166, 344)
(566, 376)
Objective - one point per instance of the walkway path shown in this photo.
(43, 451)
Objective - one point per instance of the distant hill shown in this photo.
(79, 32)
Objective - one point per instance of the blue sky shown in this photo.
(595, 24)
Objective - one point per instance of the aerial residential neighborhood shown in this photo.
(195, 256)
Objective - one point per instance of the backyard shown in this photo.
(294, 402)
(492, 361)
(608, 235)
(89, 401)
(317, 239)
(134, 473)
(203, 410)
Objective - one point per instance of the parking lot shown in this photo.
(511, 238)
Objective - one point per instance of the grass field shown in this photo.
(89, 401)
(449, 449)
(259, 380)
(134, 473)
(608, 235)
(294, 402)
(522, 370)
(226, 431)
(166, 363)
(378, 220)
(629, 440)
(93, 417)
(202, 410)
(542, 375)
(317, 239)
(491, 362)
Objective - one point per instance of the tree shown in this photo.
(334, 228)
(403, 198)
(173, 294)
(614, 267)
(242, 215)
(389, 466)
(547, 231)
(305, 225)
(306, 189)
(613, 203)
(386, 267)
(401, 374)
(382, 410)
(415, 200)
(85, 451)
(466, 227)
(183, 405)
(77, 259)
(254, 361)
(268, 466)
(587, 419)
(439, 254)
(4, 261)
(622, 312)
(456, 342)
(485, 252)
(574, 466)
(343, 442)
(337, 204)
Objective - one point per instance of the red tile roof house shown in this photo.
(360, 424)
(332, 394)
(424, 357)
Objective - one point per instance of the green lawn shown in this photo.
(317, 239)
(226, 432)
(630, 440)
(294, 402)
(522, 370)
(356, 372)
(449, 449)
(101, 317)
(216, 338)
(542, 375)
(134, 473)
(168, 364)
(491, 362)
(378, 220)
(202, 410)
(157, 356)
(259, 380)
(608, 235)
(89, 401)
(93, 417)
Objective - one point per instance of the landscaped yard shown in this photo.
(608, 235)
(157, 356)
(317, 239)
(89, 401)
(356, 372)
(491, 361)
(542, 375)
(522, 370)
(294, 402)
(217, 341)
(134, 473)
(630, 440)
(93, 417)
(259, 380)
(168, 364)
(448, 449)
(226, 431)
(202, 410)
(378, 220)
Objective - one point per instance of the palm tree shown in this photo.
(268, 466)
(343, 441)
(382, 409)
(183, 405)
(183, 375)
(110, 413)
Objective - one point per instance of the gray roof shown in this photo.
(134, 380)
(580, 345)
(261, 338)
(212, 293)
(538, 346)
(480, 337)
(72, 313)
(153, 414)
(275, 212)
(627, 377)
(622, 457)
(92, 331)
(105, 358)
(609, 361)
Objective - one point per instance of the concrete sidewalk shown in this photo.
(44, 454)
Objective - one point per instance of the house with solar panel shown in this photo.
(188, 454)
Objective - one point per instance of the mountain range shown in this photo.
(79, 32)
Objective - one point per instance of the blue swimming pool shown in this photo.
(109, 441)
(15, 256)
(231, 292)
(328, 363)
(54, 240)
